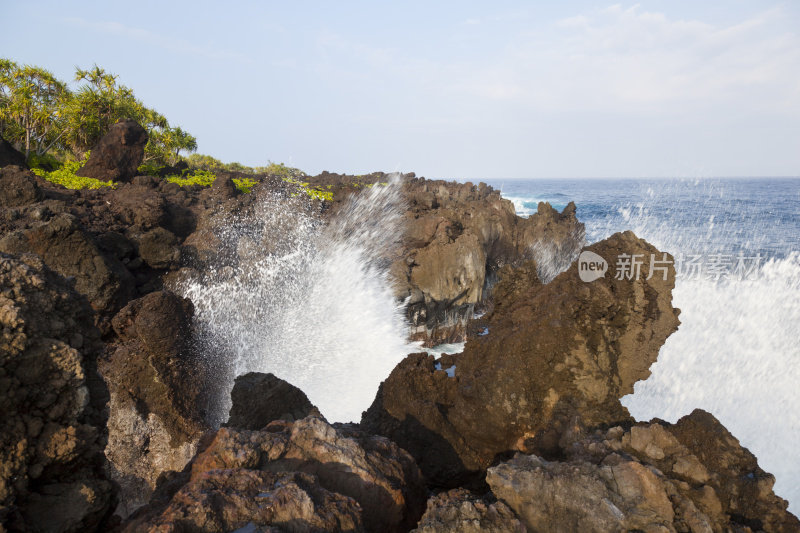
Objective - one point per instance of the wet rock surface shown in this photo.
(554, 352)
(52, 428)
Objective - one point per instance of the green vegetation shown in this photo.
(315, 193)
(42, 115)
(204, 178)
(65, 175)
(56, 126)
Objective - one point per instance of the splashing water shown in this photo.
(309, 302)
(736, 353)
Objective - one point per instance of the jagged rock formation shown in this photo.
(52, 425)
(156, 401)
(334, 467)
(258, 399)
(690, 476)
(459, 511)
(69, 250)
(118, 154)
(457, 237)
(553, 353)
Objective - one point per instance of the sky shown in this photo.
(454, 90)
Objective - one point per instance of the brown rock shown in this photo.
(159, 248)
(553, 352)
(373, 471)
(458, 511)
(118, 154)
(248, 500)
(562, 497)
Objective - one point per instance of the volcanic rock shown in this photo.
(343, 461)
(157, 407)
(51, 399)
(258, 399)
(18, 187)
(553, 353)
(655, 476)
(253, 501)
(69, 250)
(118, 154)
(10, 155)
(159, 248)
(458, 511)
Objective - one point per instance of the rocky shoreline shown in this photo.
(105, 395)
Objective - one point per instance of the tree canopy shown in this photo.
(40, 113)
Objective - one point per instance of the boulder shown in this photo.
(156, 384)
(459, 511)
(562, 497)
(159, 248)
(258, 399)
(553, 352)
(345, 462)
(52, 427)
(118, 154)
(18, 187)
(69, 250)
(10, 155)
(253, 501)
(689, 476)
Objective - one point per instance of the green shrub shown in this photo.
(315, 193)
(244, 184)
(66, 177)
(204, 178)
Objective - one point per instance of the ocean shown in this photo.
(736, 353)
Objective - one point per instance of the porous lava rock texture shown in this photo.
(52, 428)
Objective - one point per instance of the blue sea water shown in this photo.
(736, 353)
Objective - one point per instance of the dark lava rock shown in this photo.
(10, 155)
(118, 154)
(159, 248)
(224, 188)
(552, 353)
(258, 399)
(157, 405)
(52, 401)
(66, 248)
(18, 187)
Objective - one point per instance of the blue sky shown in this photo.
(456, 90)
